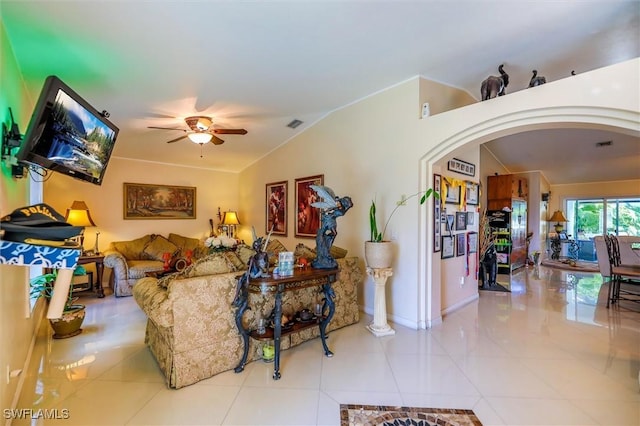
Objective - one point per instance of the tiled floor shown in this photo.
(549, 353)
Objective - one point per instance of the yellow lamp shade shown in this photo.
(78, 215)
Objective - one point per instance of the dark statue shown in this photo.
(489, 267)
(258, 267)
(494, 86)
(332, 208)
(536, 80)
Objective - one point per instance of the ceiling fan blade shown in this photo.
(165, 128)
(177, 139)
(230, 131)
(216, 140)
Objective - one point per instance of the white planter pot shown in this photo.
(378, 255)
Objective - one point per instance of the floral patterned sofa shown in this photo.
(191, 328)
(131, 260)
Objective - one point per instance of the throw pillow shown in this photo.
(337, 252)
(211, 264)
(245, 252)
(158, 246)
(274, 247)
(235, 260)
(132, 250)
(185, 243)
(303, 251)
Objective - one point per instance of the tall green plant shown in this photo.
(373, 224)
(42, 286)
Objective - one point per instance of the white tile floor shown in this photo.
(549, 353)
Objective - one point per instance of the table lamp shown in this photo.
(230, 219)
(559, 218)
(78, 215)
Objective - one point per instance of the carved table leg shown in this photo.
(329, 295)
(240, 302)
(380, 327)
(277, 332)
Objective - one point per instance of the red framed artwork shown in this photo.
(307, 217)
(276, 208)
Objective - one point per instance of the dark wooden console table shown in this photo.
(98, 259)
(276, 286)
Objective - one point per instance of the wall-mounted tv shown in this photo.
(67, 135)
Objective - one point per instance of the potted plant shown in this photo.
(378, 252)
(68, 325)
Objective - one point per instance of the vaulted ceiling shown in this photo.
(259, 65)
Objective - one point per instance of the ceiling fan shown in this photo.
(201, 131)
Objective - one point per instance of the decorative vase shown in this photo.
(69, 324)
(378, 254)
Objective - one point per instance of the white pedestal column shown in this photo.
(380, 327)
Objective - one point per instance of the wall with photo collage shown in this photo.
(455, 217)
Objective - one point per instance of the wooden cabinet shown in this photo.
(507, 212)
(504, 188)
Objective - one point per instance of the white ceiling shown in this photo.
(260, 64)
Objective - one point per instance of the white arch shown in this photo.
(563, 116)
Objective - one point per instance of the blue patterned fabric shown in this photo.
(12, 253)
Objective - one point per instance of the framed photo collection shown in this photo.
(437, 209)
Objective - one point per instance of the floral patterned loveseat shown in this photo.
(191, 328)
(131, 260)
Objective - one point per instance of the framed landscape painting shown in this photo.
(307, 217)
(149, 201)
(276, 210)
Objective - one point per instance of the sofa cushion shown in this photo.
(338, 252)
(196, 246)
(211, 264)
(237, 262)
(303, 251)
(139, 268)
(158, 246)
(274, 247)
(245, 252)
(132, 249)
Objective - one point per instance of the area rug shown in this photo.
(380, 415)
(577, 266)
(495, 287)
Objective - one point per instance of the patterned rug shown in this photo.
(577, 266)
(380, 415)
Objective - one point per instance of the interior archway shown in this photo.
(475, 134)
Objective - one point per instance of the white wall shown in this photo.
(105, 202)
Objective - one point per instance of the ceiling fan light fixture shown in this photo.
(199, 137)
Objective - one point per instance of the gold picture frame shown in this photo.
(155, 201)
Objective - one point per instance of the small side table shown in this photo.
(380, 327)
(98, 259)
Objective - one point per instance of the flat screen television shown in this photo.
(67, 135)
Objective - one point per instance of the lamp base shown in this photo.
(558, 228)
